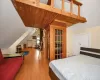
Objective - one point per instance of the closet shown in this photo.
(56, 41)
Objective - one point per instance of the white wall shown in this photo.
(91, 11)
(11, 26)
(44, 1)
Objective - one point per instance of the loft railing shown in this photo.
(71, 2)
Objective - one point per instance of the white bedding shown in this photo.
(79, 67)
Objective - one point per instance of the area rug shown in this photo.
(25, 52)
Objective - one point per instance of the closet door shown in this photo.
(58, 42)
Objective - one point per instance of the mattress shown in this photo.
(80, 67)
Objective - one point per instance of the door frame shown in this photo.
(89, 35)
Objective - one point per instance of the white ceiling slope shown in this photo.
(11, 26)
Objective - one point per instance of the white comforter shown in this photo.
(79, 67)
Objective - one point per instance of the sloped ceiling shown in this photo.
(11, 26)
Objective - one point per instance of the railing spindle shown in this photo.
(62, 5)
(71, 6)
(79, 10)
(52, 3)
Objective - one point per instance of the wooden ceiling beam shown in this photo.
(63, 23)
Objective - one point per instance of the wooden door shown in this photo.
(57, 42)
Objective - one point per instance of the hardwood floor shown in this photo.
(35, 66)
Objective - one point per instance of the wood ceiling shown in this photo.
(36, 14)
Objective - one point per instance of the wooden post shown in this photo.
(37, 1)
(62, 5)
(78, 10)
(52, 3)
(49, 2)
(71, 6)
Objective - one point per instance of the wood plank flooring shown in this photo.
(35, 66)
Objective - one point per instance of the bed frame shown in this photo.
(84, 51)
(52, 75)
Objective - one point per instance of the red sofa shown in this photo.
(9, 67)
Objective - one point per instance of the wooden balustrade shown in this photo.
(35, 13)
(72, 2)
(76, 3)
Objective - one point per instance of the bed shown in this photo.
(85, 66)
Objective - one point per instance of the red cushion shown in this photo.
(9, 67)
(1, 56)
